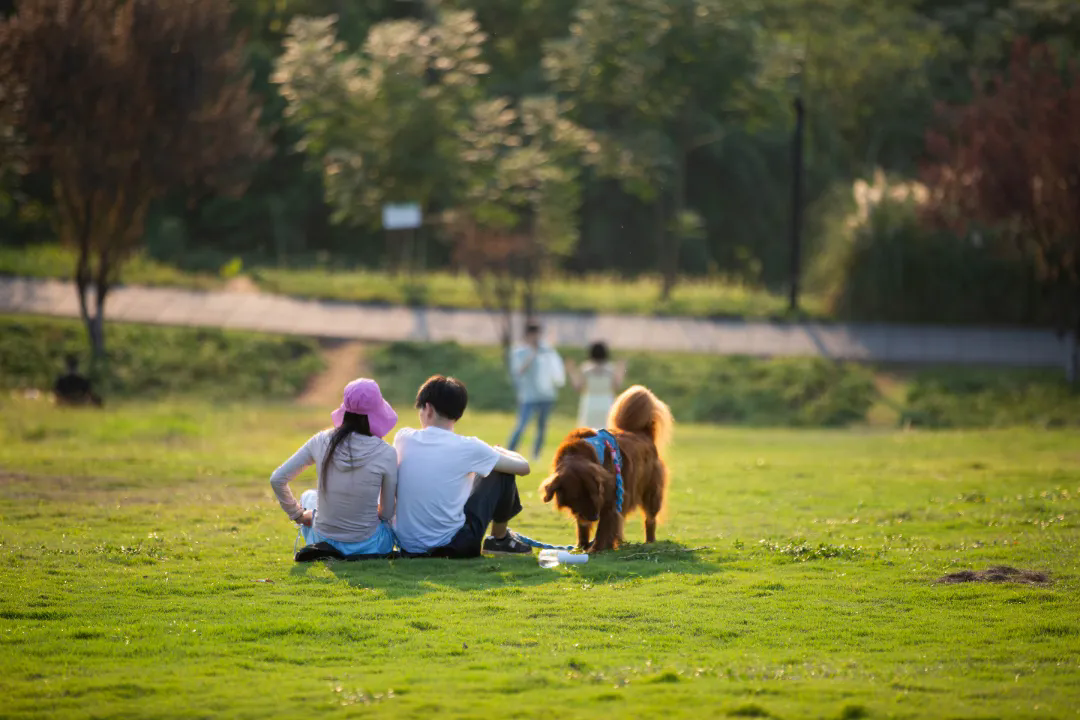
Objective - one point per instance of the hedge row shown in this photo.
(150, 362)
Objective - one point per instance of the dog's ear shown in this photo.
(595, 487)
(548, 487)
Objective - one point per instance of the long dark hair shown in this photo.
(598, 352)
(351, 423)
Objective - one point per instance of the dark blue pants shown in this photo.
(542, 408)
(494, 499)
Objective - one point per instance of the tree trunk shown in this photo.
(669, 257)
(96, 323)
(660, 218)
(504, 296)
(528, 302)
(92, 322)
(796, 205)
(82, 286)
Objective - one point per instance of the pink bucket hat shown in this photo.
(363, 397)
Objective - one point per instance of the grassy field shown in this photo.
(145, 571)
(591, 294)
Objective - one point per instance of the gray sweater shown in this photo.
(361, 485)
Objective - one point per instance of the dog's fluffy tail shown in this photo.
(637, 410)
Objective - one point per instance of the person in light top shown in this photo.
(597, 380)
(451, 487)
(355, 499)
(538, 373)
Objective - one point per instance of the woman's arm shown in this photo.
(576, 375)
(619, 374)
(281, 478)
(388, 494)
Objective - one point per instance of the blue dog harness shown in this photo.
(602, 441)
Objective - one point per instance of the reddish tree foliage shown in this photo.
(1010, 162)
(122, 101)
(502, 264)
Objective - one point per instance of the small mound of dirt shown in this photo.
(996, 574)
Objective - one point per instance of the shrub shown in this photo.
(972, 398)
(402, 367)
(150, 362)
(736, 390)
(883, 265)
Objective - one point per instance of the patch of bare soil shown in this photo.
(344, 363)
(996, 574)
(241, 284)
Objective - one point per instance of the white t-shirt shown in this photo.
(436, 471)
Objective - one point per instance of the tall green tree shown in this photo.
(382, 124)
(284, 213)
(518, 214)
(863, 72)
(407, 119)
(517, 32)
(658, 80)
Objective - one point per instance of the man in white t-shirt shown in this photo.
(451, 487)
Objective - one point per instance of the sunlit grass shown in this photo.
(145, 571)
(55, 261)
(594, 293)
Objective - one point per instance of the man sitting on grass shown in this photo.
(450, 487)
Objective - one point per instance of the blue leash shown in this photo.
(543, 546)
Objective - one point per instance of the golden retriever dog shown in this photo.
(585, 484)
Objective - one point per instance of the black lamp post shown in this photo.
(796, 202)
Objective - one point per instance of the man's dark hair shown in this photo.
(446, 395)
(598, 352)
(532, 329)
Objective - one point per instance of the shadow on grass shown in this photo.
(408, 577)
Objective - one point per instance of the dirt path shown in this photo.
(892, 391)
(265, 312)
(344, 362)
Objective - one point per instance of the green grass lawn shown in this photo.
(607, 294)
(146, 571)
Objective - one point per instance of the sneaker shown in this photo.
(509, 545)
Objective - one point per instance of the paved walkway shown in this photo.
(279, 314)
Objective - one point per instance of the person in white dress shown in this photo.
(596, 380)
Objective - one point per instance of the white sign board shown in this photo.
(401, 217)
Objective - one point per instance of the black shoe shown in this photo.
(509, 545)
(318, 551)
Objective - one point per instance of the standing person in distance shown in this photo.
(597, 380)
(538, 373)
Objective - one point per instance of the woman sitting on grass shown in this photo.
(357, 471)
